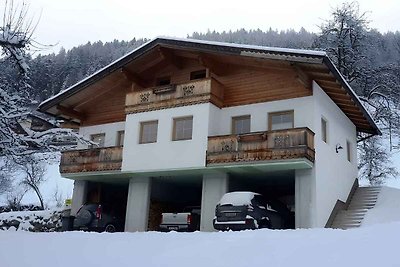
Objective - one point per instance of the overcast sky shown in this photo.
(69, 23)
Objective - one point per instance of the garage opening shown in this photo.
(174, 195)
(278, 186)
(111, 196)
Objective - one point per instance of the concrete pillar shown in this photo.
(137, 208)
(304, 197)
(214, 187)
(78, 196)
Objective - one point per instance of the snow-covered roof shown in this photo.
(155, 41)
(292, 55)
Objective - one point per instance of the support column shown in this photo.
(214, 187)
(137, 208)
(78, 196)
(304, 195)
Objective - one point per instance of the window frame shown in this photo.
(162, 81)
(174, 121)
(197, 72)
(237, 118)
(119, 137)
(324, 134)
(270, 114)
(98, 134)
(142, 124)
(349, 150)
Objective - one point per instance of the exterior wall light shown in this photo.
(338, 147)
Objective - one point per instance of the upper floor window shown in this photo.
(148, 132)
(241, 124)
(200, 74)
(183, 128)
(324, 130)
(281, 120)
(120, 138)
(99, 139)
(348, 148)
(163, 81)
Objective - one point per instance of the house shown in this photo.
(181, 122)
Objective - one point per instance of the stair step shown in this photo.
(362, 200)
(350, 217)
(342, 225)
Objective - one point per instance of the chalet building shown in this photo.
(180, 122)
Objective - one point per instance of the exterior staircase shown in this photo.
(363, 199)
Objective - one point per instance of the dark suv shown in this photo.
(249, 210)
(95, 217)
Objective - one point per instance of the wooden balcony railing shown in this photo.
(169, 96)
(91, 160)
(261, 146)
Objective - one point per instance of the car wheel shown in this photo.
(265, 224)
(110, 228)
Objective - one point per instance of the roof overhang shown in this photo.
(344, 93)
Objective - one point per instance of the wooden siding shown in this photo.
(246, 86)
(245, 79)
(261, 146)
(91, 160)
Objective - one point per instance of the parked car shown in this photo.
(99, 218)
(186, 221)
(249, 210)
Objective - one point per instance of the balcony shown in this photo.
(294, 143)
(169, 96)
(91, 160)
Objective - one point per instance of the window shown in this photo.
(163, 81)
(241, 124)
(99, 139)
(324, 130)
(183, 128)
(148, 132)
(200, 74)
(281, 120)
(120, 138)
(348, 148)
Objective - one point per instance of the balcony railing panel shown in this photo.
(91, 160)
(261, 146)
(168, 96)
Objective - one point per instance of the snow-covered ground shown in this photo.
(374, 245)
(369, 246)
(34, 221)
(387, 208)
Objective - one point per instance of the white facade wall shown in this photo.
(110, 130)
(166, 154)
(335, 175)
(317, 190)
(221, 119)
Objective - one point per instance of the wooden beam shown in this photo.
(302, 77)
(339, 96)
(120, 84)
(331, 84)
(133, 77)
(320, 76)
(214, 66)
(169, 56)
(71, 113)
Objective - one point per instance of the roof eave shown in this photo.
(353, 95)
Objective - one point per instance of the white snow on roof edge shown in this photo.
(305, 52)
